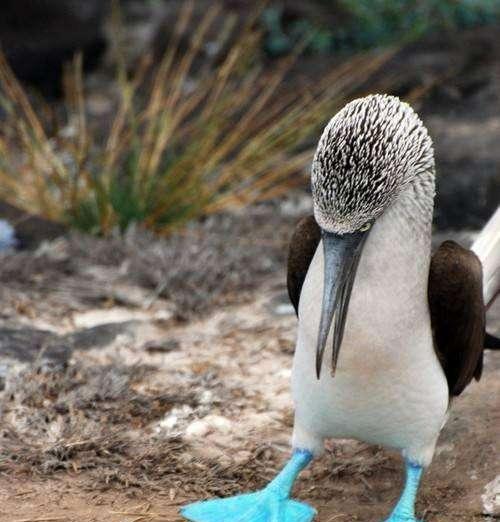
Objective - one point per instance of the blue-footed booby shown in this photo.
(403, 330)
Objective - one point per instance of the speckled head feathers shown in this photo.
(368, 152)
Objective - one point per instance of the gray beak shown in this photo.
(341, 258)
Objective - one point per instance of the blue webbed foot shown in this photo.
(272, 504)
(263, 506)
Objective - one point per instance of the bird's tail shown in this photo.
(487, 248)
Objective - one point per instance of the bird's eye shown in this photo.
(365, 227)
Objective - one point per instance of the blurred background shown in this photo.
(154, 159)
(116, 103)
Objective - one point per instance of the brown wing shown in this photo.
(457, 313)
(303, 244)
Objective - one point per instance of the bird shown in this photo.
(403, 329)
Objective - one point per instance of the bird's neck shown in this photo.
(413, 209)
(397, 254)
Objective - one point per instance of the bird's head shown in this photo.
(368, 153)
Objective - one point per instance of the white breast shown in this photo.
(389, 387)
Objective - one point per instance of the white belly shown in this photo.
(389, 387)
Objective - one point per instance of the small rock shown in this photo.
(285, 373)
(176, 418)
(162, 346)
(491, 498)
(197, 429)
(284, 309)
(206, 397)
(219, 423)
(7, 235)
(169, 422)
(100, 316)
(163, 315)
(129, 295)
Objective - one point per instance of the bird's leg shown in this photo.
(282, 484)
(404, 511)
(272, 504)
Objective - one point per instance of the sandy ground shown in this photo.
(226, 424)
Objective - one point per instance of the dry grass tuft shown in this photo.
(211, 262)
(199, 135)
(91, 419)
(87, 419)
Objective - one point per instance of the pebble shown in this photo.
(173, 418)
(491, 498)
(161, 346)
(169, 422)
(207, 397)
(197, 429)
(7, 235)
(284, 309)
(219, 423)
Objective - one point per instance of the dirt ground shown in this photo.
(131, 413)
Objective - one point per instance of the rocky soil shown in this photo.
(116, 407)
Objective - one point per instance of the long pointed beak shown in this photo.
(341, 258)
